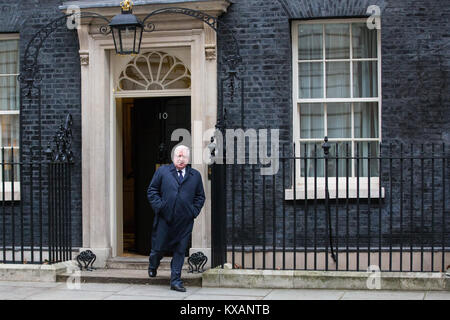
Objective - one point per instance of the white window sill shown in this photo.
(8, 192)
(363, 192)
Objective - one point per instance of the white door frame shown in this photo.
(99, 133)
(117, 64)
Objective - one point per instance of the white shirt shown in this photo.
(182, 172)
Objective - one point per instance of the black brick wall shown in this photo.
(415, 63)
(415, 92)
(59, 66)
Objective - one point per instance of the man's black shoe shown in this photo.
(151, 273)
(178, 288)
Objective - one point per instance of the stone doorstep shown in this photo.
(31, 272)
(132, 270)
(121, 270)
(128, 276)
(275, 279)
(139, 263)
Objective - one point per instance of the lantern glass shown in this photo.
(116, 38)
(139, 31)
(127, 33)
(128, 37)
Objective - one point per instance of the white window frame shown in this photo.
(338, 190)
(8, 184)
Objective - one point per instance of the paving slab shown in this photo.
(220, 297)
(123, 297)
(383, 295)
(235, 292)
(19, 293)
(162, 292)
(99, 287)
(303, 294)
(119, 291)
(435, 295)
(28, 284)
(60, 294)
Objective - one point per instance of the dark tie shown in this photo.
(180, 176)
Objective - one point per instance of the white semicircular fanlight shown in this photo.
(154, 70)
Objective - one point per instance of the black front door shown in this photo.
(153, 121)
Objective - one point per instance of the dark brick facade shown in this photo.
(415, 93)
(415, 62)
(59, 66)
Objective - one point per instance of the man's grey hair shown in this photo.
(181, 147)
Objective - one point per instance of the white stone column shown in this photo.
(95, 125)
(204, 89)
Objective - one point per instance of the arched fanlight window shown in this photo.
(155, 70)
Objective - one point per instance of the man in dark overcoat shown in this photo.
(176, 195)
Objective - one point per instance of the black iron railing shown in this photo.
(337, 206)
(35, 201)
(35, 208)
(59, 217)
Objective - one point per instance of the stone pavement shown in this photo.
(14, 290)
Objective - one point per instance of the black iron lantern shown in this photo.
(127, 30)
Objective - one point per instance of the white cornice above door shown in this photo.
(165, 22)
